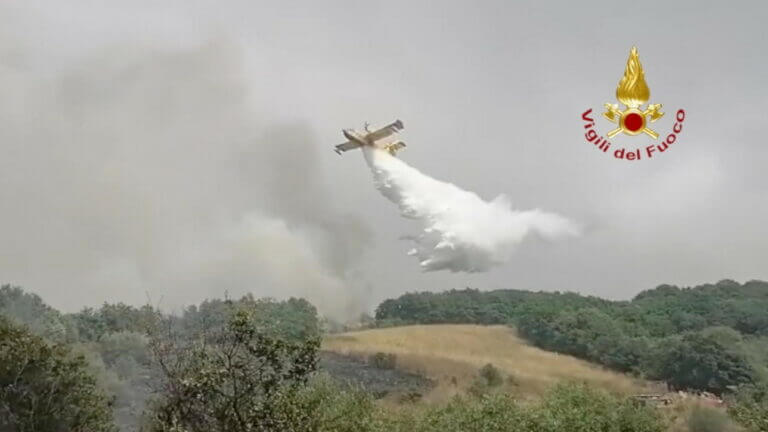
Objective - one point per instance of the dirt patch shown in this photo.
(357, 372)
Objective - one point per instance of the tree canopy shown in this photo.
(45, 387)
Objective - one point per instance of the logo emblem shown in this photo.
(633, 92)
(633, 119)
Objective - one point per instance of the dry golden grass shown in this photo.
(452, 355)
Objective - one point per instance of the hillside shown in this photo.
(712, 337)
(451, 355)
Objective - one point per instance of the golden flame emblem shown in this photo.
(633, 92)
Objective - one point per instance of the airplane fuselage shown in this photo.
(378, 138)
(354, 136)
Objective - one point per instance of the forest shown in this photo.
(252, 364)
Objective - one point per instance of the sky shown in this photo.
(168, 152)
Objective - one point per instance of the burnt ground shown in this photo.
(380, 382)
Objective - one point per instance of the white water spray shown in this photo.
(461, 232)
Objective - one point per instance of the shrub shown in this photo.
(708, 419)
(324, 406)
(749, 407)
(492, 375)
(566, 408)
(495, 413)
(488, 377)
(575, 407)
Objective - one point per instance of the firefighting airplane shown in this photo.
(372, 138)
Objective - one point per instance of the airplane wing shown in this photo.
(349, 145)
(386, 131)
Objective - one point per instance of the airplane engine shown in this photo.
(394, 147)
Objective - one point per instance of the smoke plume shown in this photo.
(461, 232)
(136, 172)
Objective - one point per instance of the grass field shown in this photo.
(452, 354)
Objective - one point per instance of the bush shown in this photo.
(496, 413)
(566, 408)
(574, 408)
(492, 375)
(478, 388)
(488, 377)
(708, 419)
(325, 406)
(749, 407)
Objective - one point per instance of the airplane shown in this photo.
(372, 138)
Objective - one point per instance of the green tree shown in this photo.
(89, 323)
(238, 379)
(45, 388)
(293, 319)
(699, 361)
(30, 310)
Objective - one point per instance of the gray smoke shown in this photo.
(139, 172)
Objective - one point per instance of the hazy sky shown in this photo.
(178, 150)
